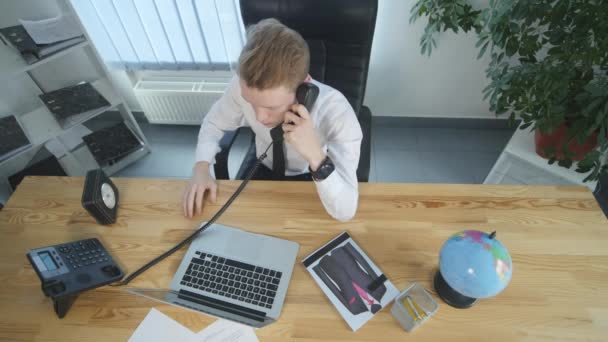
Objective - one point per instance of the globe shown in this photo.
(472, 265)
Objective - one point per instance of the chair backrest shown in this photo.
(339, 34)
(601, 193)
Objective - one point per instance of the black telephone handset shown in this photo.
(306, 94)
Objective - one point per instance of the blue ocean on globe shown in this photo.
(475, 264)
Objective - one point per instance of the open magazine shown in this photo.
(350, 279)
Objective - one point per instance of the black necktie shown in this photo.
(278, 160)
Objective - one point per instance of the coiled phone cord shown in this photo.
(217, 215)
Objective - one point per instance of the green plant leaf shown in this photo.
(599, 120)
(483, 50)
(567, 163)
(482, 39)
(511, 47)
(512, 120)
(593, 106)
(594, 175)
(603, 136)
(586, 164)
(526, 125)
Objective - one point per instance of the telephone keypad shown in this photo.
(83, 253)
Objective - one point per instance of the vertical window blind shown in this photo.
(164, 34)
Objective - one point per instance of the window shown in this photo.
(164, 34)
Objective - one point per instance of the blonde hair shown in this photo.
(273, 56)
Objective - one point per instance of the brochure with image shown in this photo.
(350, 279)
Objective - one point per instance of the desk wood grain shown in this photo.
(557, 237)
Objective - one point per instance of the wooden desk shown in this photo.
(557, 236)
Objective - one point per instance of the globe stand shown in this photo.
(450, 296)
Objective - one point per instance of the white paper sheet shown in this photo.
(52, 30)
(226, 331)
(159, 327)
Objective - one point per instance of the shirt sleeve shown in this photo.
(226, 114)
(339, 192)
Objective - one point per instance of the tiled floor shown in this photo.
(403, 150)
(429, 152)
(172, 152)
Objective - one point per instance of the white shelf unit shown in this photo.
(12, 64)
(519, 164)
(41, 127)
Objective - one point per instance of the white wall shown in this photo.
(402, 82)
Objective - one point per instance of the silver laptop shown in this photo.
(232, 274)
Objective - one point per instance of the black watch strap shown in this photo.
(324, 170)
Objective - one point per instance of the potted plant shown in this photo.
(549, 67)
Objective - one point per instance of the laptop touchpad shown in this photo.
(243, 247)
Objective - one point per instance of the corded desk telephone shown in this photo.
(67, 269)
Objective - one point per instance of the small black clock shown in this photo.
(100, 197)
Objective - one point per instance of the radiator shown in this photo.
(178, 100)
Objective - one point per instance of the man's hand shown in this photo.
(201, 181)
(300, 133)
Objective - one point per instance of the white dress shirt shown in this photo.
(337, 128)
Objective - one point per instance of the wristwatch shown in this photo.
(324, 170)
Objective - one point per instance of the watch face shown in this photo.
(107, 195)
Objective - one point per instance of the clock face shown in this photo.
(108, 196)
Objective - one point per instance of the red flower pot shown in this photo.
(557, 140)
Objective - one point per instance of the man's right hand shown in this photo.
(194, 193)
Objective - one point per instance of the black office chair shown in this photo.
(339, 34)
(601, 193)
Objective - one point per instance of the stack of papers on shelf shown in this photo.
(12, 138)
(36, 40)
(159, 327)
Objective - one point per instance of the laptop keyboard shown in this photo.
(232, 279)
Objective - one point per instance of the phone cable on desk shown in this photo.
(217, 215)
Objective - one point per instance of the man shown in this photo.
(323, 145)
